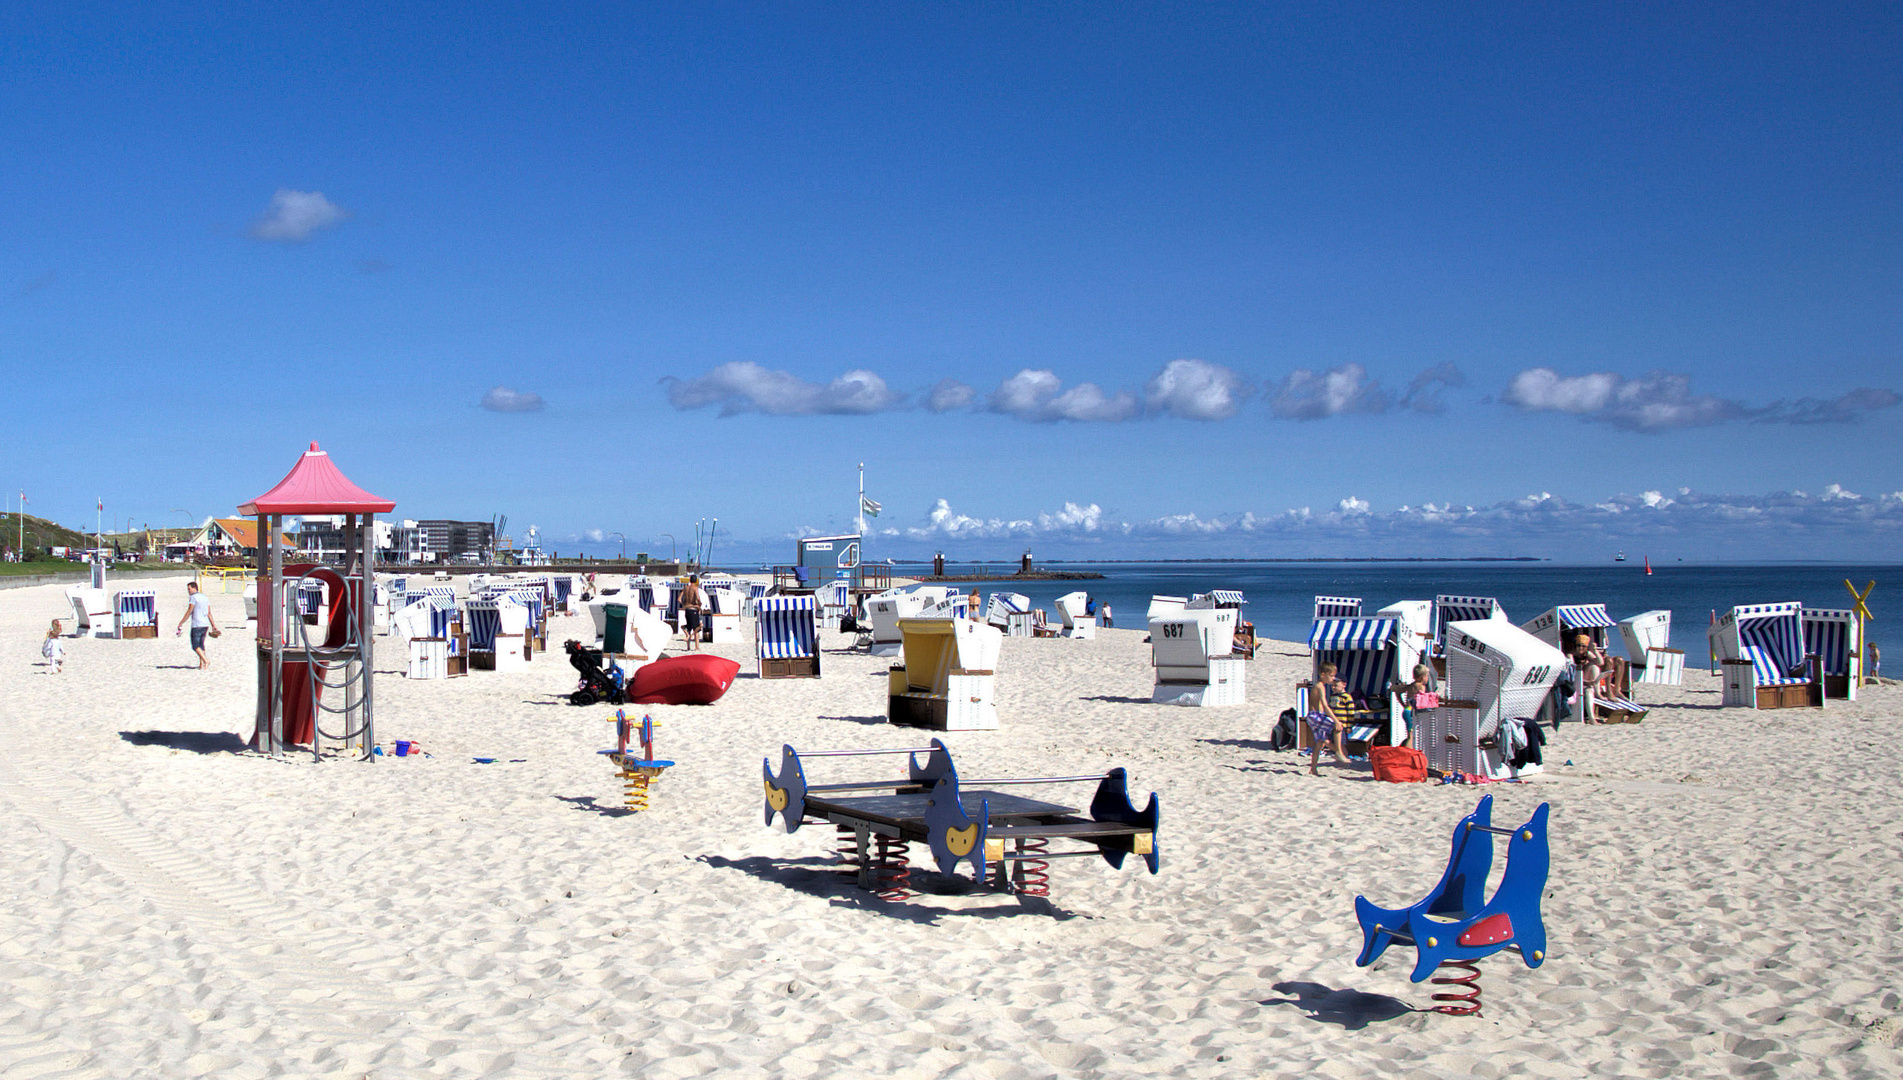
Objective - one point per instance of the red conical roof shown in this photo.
(314, 486)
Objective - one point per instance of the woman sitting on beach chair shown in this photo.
(1596, 669)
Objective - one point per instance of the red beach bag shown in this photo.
(1398, 764)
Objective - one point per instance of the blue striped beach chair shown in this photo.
(1648, 645)
(786, 637)
(310, 601)
(534, 597)
(1010, 613)
(136, 613)
(835, 599)
(1453, 609)
(1337, 607)
(1233, 600)
(1559, 627)
(1371, 653)
(498, 633)
(484, 619)
(1762, 658)
(1830, 634)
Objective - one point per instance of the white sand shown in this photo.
(1724, 895)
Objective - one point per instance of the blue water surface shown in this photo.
(1282, 595)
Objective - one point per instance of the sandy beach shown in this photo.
(1724, 897)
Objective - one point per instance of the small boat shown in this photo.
(1648, 566)
(1619, 557)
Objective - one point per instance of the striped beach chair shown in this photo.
(535, 597)
(786, 637)
(498, 633)
(834, 599)
(1453, 609)
(1231, 599)
(1371, 653)
(310, 601)
(1558, 626)
(1074, 609)
(1648, 644)
(1337, 607)
(136, 613)
(948, 678)
(1830, 634)
(92, 612)
(1010, 613)
(1193, 653)
(438, 645)
(1761, 656)
(721, 617)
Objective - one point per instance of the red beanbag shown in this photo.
(1398, 764)
(683, 680)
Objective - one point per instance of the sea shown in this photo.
(1281, 595)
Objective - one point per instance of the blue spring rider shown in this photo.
(1455, 925)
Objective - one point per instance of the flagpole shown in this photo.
(859, 511)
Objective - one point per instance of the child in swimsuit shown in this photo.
(1326, 724)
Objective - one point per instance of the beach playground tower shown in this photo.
(314, 629)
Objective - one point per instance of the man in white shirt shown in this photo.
(198, 610)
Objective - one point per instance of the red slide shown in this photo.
(683, 680)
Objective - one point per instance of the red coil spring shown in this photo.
(1468, 981)
(1034, 875)
(846, 849)
(893, 870)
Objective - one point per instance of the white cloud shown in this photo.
(1073, 518)
(947, 395)
(1843, 410)
(748, 387)
(1037, 394)
(1307, 395)
(1196, 390)
(294, 215)
(503, 399)
(1424, 393)
(1544, 390)
(943, 521)
(1780, 524)
(1663, 401)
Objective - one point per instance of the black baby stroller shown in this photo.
(596, 684)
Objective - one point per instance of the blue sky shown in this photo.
(1120, 281)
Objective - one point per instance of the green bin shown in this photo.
(614, 637)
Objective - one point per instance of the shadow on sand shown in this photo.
(198, 742)
(1351, 1010)
(823, 878)
(587, 803)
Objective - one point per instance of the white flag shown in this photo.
(868, 507)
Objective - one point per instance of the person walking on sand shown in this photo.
(690, 611)
(53, 649)
(198, 610)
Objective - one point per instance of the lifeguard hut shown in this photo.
(298, 661)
